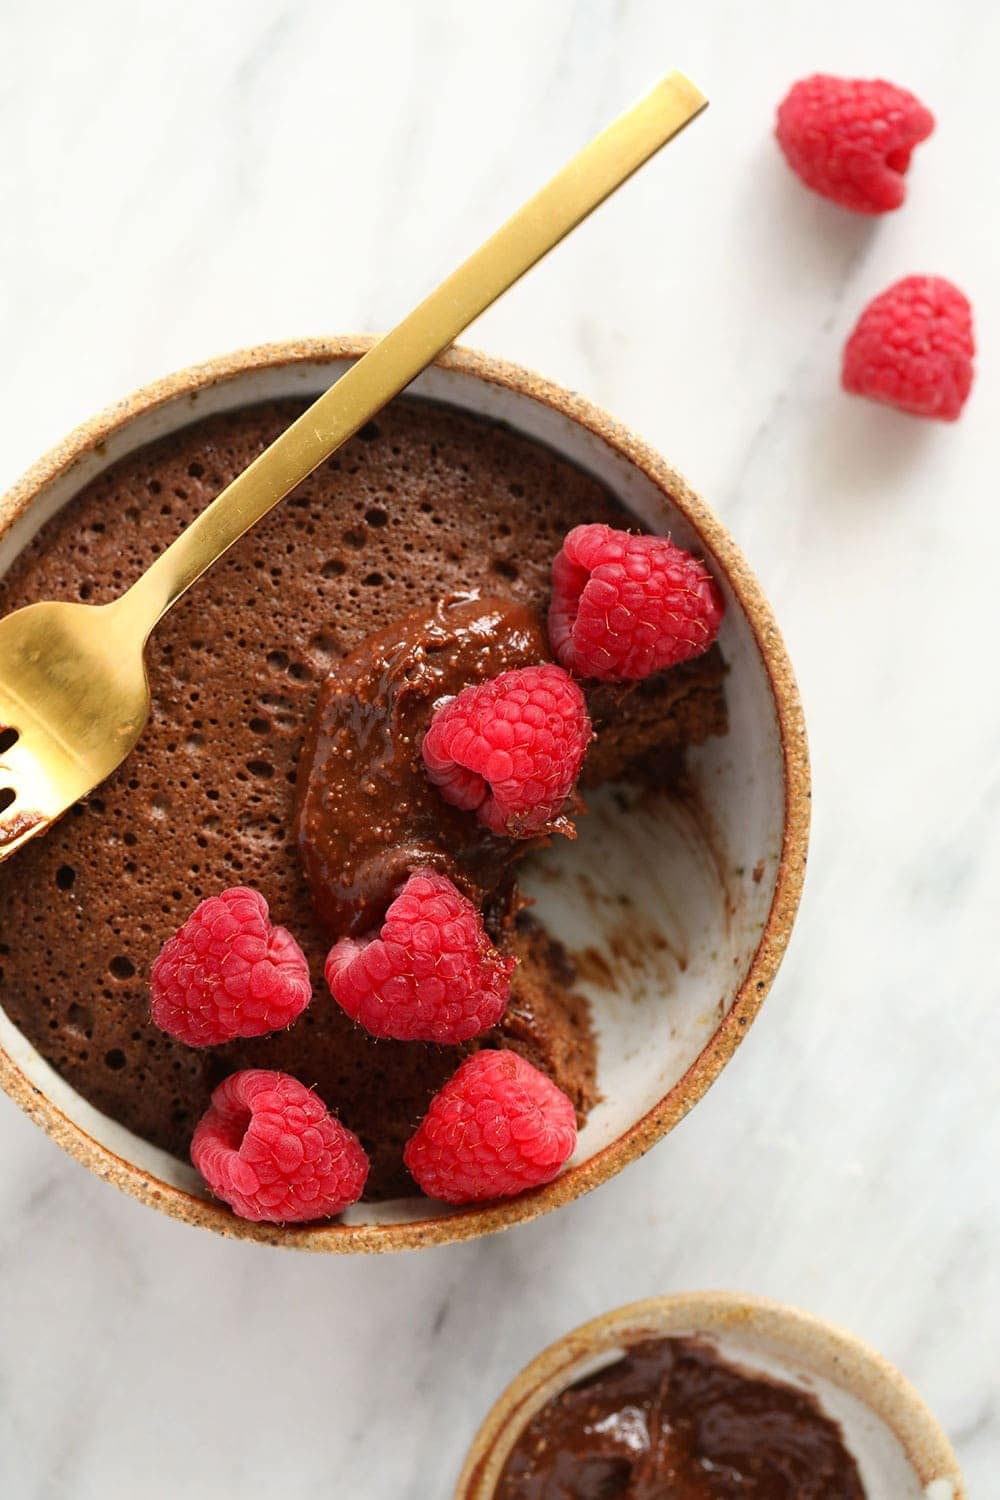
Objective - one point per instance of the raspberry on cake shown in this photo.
(431, 974)
(229, 973)
(367, 813)
(498, 1127)
(269, 1148)
(625, 606)
(913, 347)
(510, 750)
(851, 139)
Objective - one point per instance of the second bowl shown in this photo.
(900, 1451)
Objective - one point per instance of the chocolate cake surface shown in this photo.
(426, 503)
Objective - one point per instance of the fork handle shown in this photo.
(590, 177)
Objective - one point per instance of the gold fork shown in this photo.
(74, 696)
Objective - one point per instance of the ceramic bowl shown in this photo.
(709, 884)
(901, 1452)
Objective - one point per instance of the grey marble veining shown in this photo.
(182, 179)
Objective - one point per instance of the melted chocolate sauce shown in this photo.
(367, 814)
(673, 1421)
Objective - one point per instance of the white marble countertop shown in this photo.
(182, 179)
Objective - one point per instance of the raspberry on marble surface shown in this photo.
(913, 348)
(851, 139)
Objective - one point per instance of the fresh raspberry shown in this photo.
(431, 975)
(497, 1127)
(913, 347)
(268, 1147)
(510, 750)
(229, 973)
(626, 606)
(851, 138)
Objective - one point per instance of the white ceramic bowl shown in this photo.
(901, 1452)
(681, 911)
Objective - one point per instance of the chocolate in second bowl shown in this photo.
(245, 657)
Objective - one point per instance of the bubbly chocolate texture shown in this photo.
(423, 505)
(367, 813)
(672, 1420)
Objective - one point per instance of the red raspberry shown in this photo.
(626, 606)
(431, 975)
(851, 138)
(268, 1147)
(497, 1127)
(510, 750)
(229, 973)
(913, 347)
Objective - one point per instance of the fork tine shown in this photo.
(9, 737)
(15, 759)
(19, 821)
(12, 815)
(18, 830)
(9, 716)
(24, 810)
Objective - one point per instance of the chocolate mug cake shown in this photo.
(425, 506)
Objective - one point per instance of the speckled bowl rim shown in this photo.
(833, 1352)
(474, 1221)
